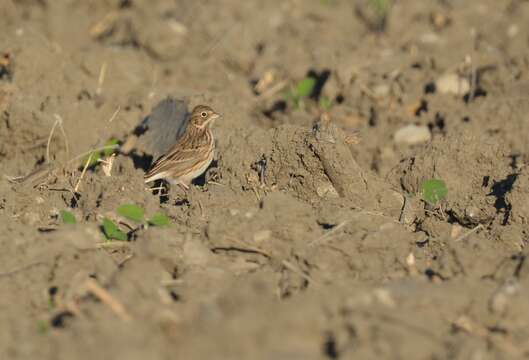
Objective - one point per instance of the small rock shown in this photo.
(381, 91)
(262, 236)
(499, 302)
(456, 231)
(513, 30)
(452, 84)
(429, 38)
(384, 297)
(412, 134)
(177, 27)
(326, 190)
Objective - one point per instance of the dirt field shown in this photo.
(308, 237)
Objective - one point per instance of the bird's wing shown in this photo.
(178, 162)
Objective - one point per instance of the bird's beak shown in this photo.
(213, 117)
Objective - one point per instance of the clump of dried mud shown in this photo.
(307, 238)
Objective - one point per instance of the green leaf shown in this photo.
(112, 231)
(95, 156)
(132, 212)
(159, 219)
(325, 103)
(433, 191)
(92, 159)
(43, 326)
(381, 7)
(67, 217)
(289, 95)
(305, 87)
(109, 151)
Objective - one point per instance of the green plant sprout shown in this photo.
(433, 191)
(129, 211)
(375, 14)
(67, 217)
(303, 90)
(135, 213)
(112, 231)
(381, 7)
(325, 103)
(43, 327)
(159, 219)
(94, 158)
(132, 212)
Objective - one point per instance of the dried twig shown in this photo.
(328, 234)
(471, 327)
(243, 248)
(117, 307)
(113, 245)
(468, 233)
(101, 79)
(298, 271)
(107, 165)
(106, 147)
(273, 90)
(115, 114)
(57, 121)
(83, 172)
(61, 127)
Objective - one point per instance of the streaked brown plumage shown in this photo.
(192, 153)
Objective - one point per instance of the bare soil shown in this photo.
(308, 237)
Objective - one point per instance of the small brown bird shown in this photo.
(192, 153)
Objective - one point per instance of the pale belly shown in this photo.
(186, 179)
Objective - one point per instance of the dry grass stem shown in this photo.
(273, 90)
(57, 121)
(61, 127)
(101, 78)
(92, 151)
(117, 307)
(328, 234)
(115, 114)
(298, 271)
(107, 165)
(468, 233)
(75, 190)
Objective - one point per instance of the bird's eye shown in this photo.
(204, 114)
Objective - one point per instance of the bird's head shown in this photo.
(202, 116)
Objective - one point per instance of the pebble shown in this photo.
(413, 134)
(452, 84)
(381, 91)
(429, 38)
(262, 236)
(513, 30)
(326, 190)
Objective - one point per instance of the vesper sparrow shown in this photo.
(192, 153)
